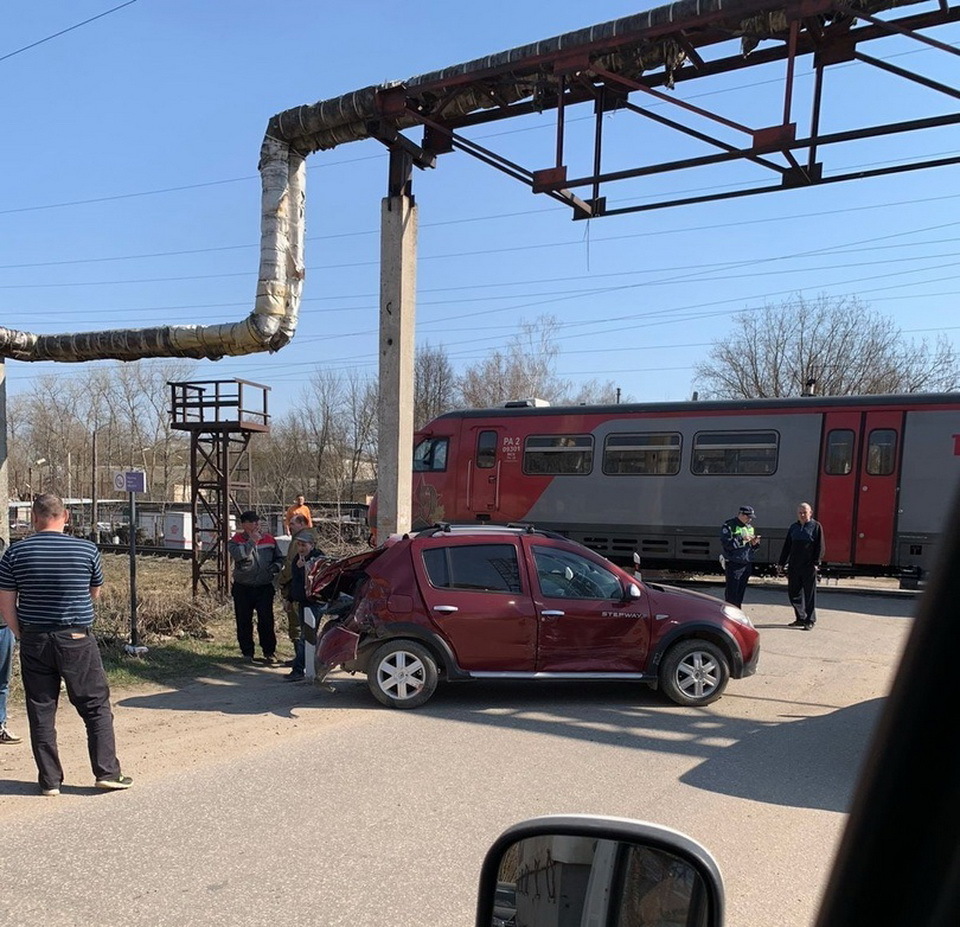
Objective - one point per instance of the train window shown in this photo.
(839, 456)
(881, 452)
(735, 453)
(479, 567)
(486, 450)
(430, 454)
(570, 455)
(652, 453)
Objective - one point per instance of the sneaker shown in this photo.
(796, 624)
(115, 782)
(7, 736)
(294, 676)
(248, 658)
(271, 660)
(50, 793)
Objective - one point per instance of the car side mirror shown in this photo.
(633, 592)
(582, 869)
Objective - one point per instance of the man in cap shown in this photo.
(739, 542)
(256, 562)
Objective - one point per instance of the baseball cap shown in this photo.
(747, 510)
(306, 535)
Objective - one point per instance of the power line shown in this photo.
(515, 248)
(65, 31)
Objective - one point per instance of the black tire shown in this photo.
(694, 672)
(402, 674)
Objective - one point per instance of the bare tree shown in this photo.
(524, 370)
(593, 392)
(360, 449)
(435, 389)
(835, 346)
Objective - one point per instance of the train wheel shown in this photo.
(694, 672)
(402, 674)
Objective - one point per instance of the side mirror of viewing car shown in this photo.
(633, 592)
(582, 869)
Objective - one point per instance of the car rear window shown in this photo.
(480, 567)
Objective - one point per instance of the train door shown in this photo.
(839, 483)
(859, 480)
(879, 487)
(483, 475)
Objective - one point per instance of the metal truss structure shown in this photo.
(221, 417)
(692, 42)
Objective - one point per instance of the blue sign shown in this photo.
(130, 481)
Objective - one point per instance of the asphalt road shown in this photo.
(328, 809)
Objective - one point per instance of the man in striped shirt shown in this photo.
(48, 582)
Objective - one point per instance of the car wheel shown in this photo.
(694, 672)
(402, 674)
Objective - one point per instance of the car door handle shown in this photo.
(446, 609)
(552, 613)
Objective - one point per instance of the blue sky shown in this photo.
(130, 195)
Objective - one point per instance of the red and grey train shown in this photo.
(658, 479)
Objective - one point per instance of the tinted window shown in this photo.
(565, 575)
(729, 453)
(655, 453)
(486, 449)
(554, 454)
(839, 457)
(480, 567)
(881, 452)
(430, 454)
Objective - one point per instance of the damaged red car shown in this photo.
(472, 602)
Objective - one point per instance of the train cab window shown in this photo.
(477, 567)
(652, 453)
(734, 453)
(881, 452)
(570, 455)
(839, 456)
(486, 450)
(430, 455)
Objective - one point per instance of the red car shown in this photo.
(477, 602)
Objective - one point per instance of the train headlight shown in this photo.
(736, 614)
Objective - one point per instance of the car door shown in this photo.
(585, 623)
(478, 598)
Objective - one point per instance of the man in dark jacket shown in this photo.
(738, 541)
(256, 562)
(803, 549)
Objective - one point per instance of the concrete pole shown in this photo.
(398, 282)
(4, 484)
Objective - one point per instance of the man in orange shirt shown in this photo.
(298, 508)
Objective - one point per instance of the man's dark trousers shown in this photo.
(72, 654)
(737, 576)
(246, 601)
(802, 592)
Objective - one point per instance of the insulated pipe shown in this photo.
(269, 326)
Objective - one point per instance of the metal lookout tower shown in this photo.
(221, 416)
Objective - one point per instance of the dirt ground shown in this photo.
(162, 730)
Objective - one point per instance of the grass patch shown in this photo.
(185, 637)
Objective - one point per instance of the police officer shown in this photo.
(738, 542)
